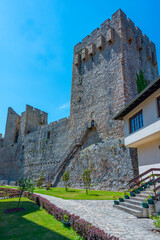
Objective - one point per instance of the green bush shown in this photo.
(41, 179)
(141, 81)
(66, 178)
(87, 179)
(156, 221)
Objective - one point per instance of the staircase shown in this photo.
(73, 149)
(133, 205)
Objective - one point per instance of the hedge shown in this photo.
(83, 228)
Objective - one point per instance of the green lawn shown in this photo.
(78, 194)
(33, 224)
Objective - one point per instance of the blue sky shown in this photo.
(36, 47)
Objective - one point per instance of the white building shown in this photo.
(142, 126)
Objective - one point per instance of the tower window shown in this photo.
(158, 105)
(136, 122)
(16, 138)
(92, 115)
(92, 123)
(48, 135)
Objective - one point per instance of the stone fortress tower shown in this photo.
(103, 81)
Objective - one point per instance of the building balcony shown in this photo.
(144, 135)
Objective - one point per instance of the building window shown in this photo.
(136, 122)
(158, 105)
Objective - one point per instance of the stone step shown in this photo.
(138, 197)
(129, 210)
(134, 201)
(131, 206)
(142, 195)
(148, 192)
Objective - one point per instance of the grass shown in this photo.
(79, 194)
(34, 223)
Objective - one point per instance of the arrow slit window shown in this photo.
(158, 105)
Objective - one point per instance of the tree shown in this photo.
(25, 185)
(66, 178)
(41, 179)
(141, 81)
(87, 179)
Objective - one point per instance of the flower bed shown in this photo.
(13, 210)
(9, 192)
(83, 228)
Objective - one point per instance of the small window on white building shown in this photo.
(136, 121)
(158, 105)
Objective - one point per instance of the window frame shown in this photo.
(139, 123)
(158, 105)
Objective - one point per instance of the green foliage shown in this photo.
(149, 197)
(66, 178)
(87, 179)
(141, 81)
(131, 190)
(156, 221)
(41, 179)
(25, 185)
(125, 193)
(48, 185)
(65, 218)
(115, 197)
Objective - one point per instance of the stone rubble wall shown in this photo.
(114, 165)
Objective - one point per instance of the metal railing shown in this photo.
(145, 178)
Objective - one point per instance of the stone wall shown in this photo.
(103, 81)
(44, 149)
(114, 165)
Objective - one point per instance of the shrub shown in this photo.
(87, 179)
(9, 192)
(66, 178)
(156, 221)
(141, 81)
(41, 179)
(25, 184)
(48, 186)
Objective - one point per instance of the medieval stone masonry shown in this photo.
(105, 64)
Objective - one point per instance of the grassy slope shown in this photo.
(34, 223)
(79, 194)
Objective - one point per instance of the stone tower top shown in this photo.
(105, 64)
(129, 31)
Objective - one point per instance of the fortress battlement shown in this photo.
(36, 111)
(110, 31)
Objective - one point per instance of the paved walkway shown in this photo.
(113, 221)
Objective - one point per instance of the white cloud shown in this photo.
(65, 106)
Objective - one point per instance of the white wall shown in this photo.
(149, 155)
(150, 112)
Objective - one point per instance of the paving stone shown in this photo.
(102, 214)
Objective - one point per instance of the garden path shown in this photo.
(113, 221)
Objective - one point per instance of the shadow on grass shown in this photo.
(16, 226)
(96, 195)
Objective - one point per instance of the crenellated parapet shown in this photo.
(104, 37)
